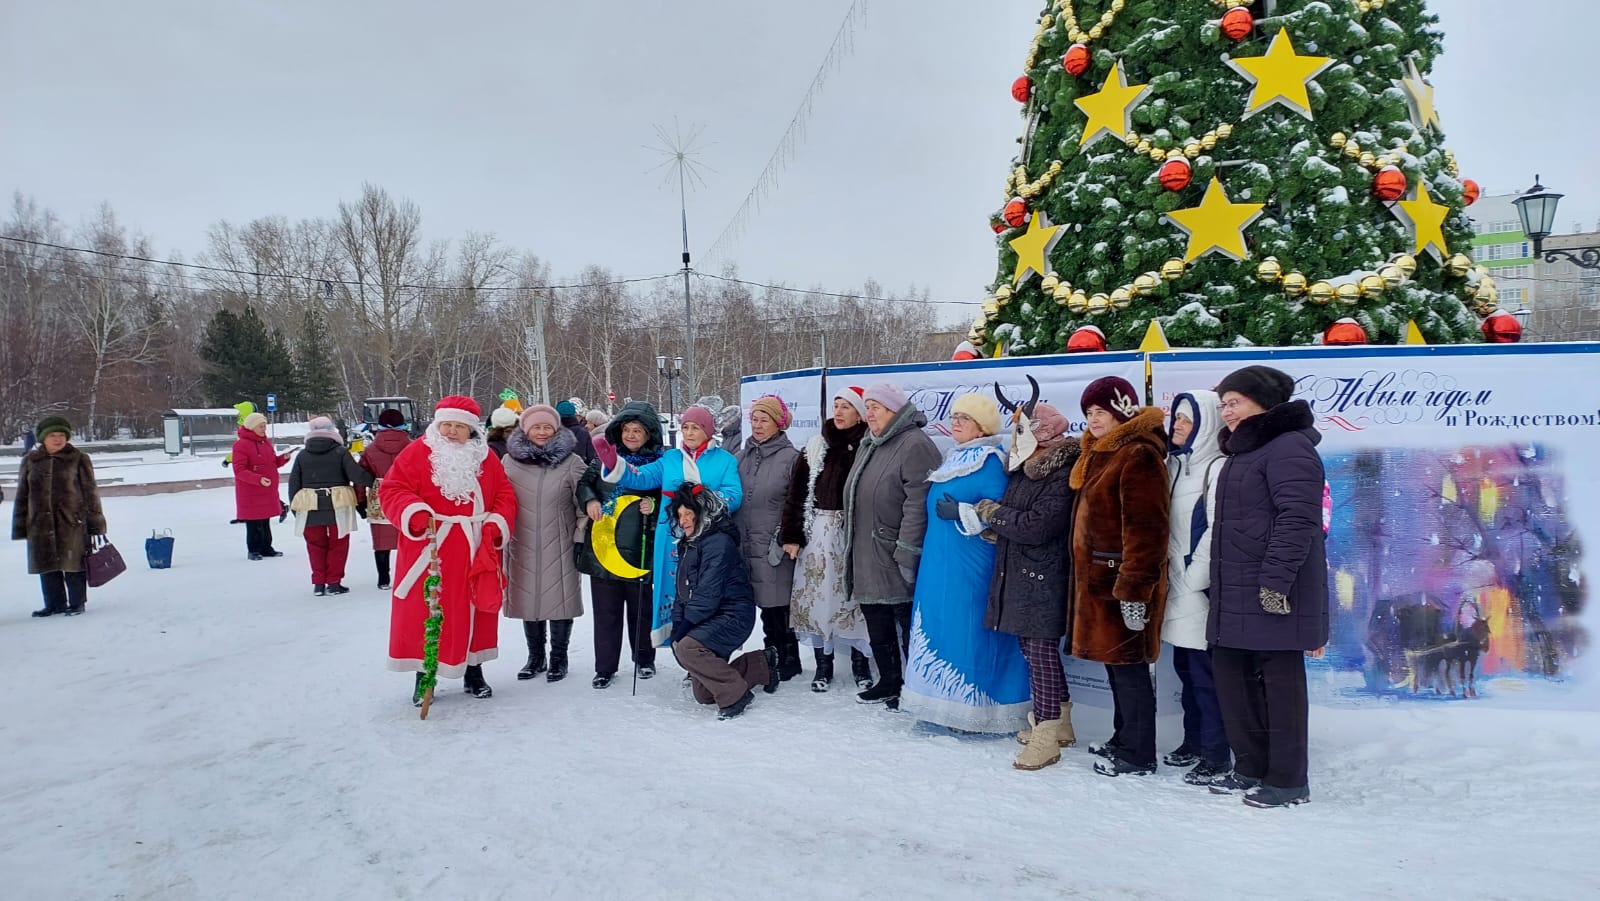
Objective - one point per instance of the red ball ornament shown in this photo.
(1344, 333)
(1502, 328)
(1016, 213)
(1174, 174)
(1076, 62)
(1022, 88)
(1086, 339)
(1237, 23)
(1389, 184)
(1469, 191)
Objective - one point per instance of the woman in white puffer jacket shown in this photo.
(1194, 462)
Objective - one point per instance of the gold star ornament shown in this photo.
(1280, 77)
(1216, 225)
(1419, 97)
(1426, 221)
(1110, 111)
(1033, 248)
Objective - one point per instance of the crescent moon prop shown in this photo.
(604, 538)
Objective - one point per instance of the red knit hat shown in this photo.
(458, 408)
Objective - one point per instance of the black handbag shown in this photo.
(103, 562)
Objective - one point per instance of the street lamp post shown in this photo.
(671, 374)
(1536, 207)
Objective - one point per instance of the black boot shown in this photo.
(772, 671)
(416, 692)
(382, 559)
(887, 689)
(861, 669)
(789, 664)
(533, 630)
(560, 637)
(475, 685)
(824, 676)
(319, 590)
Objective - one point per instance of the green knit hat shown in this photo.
(53, 424)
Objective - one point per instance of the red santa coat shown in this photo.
(471, 583)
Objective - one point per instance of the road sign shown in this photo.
(611, 396)
(272, 403)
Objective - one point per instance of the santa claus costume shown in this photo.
(460, 490)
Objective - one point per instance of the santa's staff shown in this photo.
(434, 623)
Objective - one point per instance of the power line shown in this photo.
(931, 303)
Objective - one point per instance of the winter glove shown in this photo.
(283, 511)
(1275, 602)
(909, 575)
(1134, 614)
(947, 507)
(987, 509)
(361, 509)
(606, 453)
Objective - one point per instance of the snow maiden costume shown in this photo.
(824, 617)
(710, 466)
(462, 491)
(959, 673)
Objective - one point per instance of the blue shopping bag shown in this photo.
(158, 550)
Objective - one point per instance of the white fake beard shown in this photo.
(456, 465)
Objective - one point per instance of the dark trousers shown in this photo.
(258, 536)
(381, 558)
(713, 678)
(618, 605)
(1202, 718)
(775, 631)
(64, 591)
(1133, 695)
(328, 553)
(1262, 695)
(889, 632)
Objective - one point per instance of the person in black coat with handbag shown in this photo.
(1269, 583)
(322, 494)
(714, 611)
(1032, 576)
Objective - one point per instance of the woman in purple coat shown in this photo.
(255, 485)
(1269, 583)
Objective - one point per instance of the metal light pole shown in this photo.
(1536, 207)
(671, 374)
(688, 308)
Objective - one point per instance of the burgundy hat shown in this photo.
(1113, 394)
(700, 416)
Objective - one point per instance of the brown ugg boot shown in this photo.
(1042, 749)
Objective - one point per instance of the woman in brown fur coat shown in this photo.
(58, 513)
(1119, 563)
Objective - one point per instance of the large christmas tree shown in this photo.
(1241, 172)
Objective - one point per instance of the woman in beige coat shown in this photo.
(541, 571)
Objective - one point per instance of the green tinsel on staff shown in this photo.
(434, 623)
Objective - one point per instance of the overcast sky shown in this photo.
(531, 119)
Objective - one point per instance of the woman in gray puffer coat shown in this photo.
(766, 468)
(886, 518)
(1269, 583)
(541, 569)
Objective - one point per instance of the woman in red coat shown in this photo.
(255, 485)
(450, 482)
(378, 456)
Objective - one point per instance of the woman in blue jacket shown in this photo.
(714, 610)
(696, 461)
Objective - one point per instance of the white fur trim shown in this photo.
(969, 524)
(455, 414)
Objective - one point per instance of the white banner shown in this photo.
(1463, 480)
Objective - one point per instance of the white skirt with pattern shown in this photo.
(821, 613)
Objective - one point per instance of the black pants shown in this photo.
(1264, 709)
(775, 631)
(64, 591)
(1202, 718)
(889, 632)
(258, 536)
(381, 559)
(618, 605)
(1134, 717)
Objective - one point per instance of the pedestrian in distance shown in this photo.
(57, 512)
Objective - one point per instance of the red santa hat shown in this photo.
(964, 351)
(1086, 339)
(854, 397)
(458, 408)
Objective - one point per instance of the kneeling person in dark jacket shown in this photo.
(715, 608)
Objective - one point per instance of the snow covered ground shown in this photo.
(214, 731)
